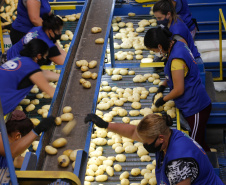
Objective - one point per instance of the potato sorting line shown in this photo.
(71, 93)
(132, 159)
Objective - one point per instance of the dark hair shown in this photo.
(52, 22)
(23, 126)
(34, 47)
(156, 36)
(165, 6)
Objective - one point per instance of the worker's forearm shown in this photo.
(51, 76)
(164, 83)
(173, 94)
(37, 21)
(125, 130)
(19, 146)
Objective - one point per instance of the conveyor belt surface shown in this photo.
(80, 99)
(132, 160)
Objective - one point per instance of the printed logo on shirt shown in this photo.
(29, 36)
(11, 65)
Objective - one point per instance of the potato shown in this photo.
(155, 75)
(101, 178)
(89, 172)
(107, 88)
(63, 160)
(144, 181)
(35, 121)
(143, 171)
(99, 41)
(171, 113)
(136, 105)
(122, 112)
(86, 84)
(116, 77)
(125, 119)
(34, 90)
(131, 14)
(156, 81)
(86, 74)
(19, 108)
(67, 152)
(96, 29)
(125, 182)
(120, 158)
(64, 37)
(67, 109)
(134, 113)
(100, 141)
(110, 171)
(89, 178)
(153, 181)
(84, 68)
(135, 172)
(119, 150)
(68, 32)
(73, 155)
(35, 102)
(92, 64)
(131, 73)
(60, 142)
(150, 167)
(25, 102)
(139, 57)
(142, 151)
(148, 175)
(47, 107)
(30, 108)
(99, 172)
(117, 167)
(146, 158)
(81, 63)
(50, 150)
(124, 175)
(130, 149)
(153, 89)
(39, 96)
(108, 162)
(58, 121)
(67, 117)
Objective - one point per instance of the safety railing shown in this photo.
(221, 21)
(178, 122)
(1, 37)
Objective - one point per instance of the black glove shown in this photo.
(97, 120)
(44, 125)
(160, 89)
(159, 102)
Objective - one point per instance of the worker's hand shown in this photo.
(160, 89)
(97, 120)
(44, 125)
(159, 102)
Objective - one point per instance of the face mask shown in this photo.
(57, 37)
(151, 147)
(163, 22)
(41, 61)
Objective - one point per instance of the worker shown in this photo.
(183, 11)
(21, 73)
(21, 133)
(165, 14)
(179, 159)
(29, 14)
(182, 77)
(49, 32)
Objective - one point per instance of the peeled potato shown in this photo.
(99, 41)
(63, 160)
(58, 143)
(50, 150)
(96, 29)
(67, 117)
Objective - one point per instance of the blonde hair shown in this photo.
(152, 125)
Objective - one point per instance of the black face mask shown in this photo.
(164, 22)
(151, 147)
(57, 37)
(42, 61)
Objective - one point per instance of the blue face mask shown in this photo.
(164, 22)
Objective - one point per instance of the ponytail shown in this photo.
(155, 36)
(165, 6)
(52, 22)
(34, 47)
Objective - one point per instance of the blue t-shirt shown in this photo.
(11, 74)
(22, 22)
(195, 97)
(179, 28)
(183, 11)
(181, 146)
(35, 32)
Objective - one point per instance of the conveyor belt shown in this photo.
(135, 21)
(132, 160)
(72, 93)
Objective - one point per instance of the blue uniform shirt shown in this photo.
(182, 146)
(195, 97)
(22, 22)
(179, 28)
(183, 11)
(11, 74)
(35, 32)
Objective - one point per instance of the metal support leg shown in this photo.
(112, 53)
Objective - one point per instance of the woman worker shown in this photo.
(21, 133)
(165, 14)
(179, 159)
(182, 77)
(21, 73)
(49, 32)
(183, 11)
(29, 14)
